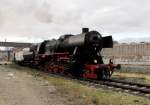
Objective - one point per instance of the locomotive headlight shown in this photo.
(95, 61)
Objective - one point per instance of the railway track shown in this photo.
(124, 86)
(116, 85)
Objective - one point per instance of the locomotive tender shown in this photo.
(78, 55)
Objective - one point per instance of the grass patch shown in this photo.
(91, 95)
(132, 77)
(139, 74)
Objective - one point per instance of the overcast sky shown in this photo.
(36, 20)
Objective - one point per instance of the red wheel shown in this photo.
(61, 69)
(84, 75)
(49, 68)
(55, 69)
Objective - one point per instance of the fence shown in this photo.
(128, 53)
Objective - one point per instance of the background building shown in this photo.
(133, 53)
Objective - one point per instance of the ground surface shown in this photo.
(25, 86)
(20, 88)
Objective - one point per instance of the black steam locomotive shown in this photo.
(78, 55)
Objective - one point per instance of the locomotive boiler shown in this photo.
(78, 55)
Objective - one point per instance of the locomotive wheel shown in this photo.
(84, 75)
(47, 67)
(41, 68)
(107, 74)
(100, 75)
(67, 68)
(55, 69)
(103, 74)
(62, 69)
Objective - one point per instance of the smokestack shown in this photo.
(85, 30)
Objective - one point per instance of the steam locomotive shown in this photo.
(76, 55)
